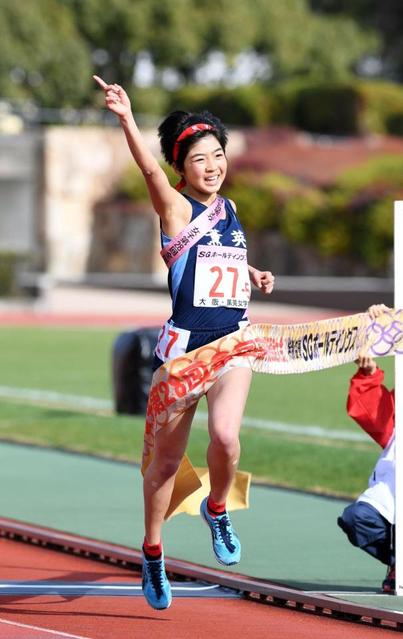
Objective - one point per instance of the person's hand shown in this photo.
(262, 279)
(366, 364)
(116, 98)
(376, 310)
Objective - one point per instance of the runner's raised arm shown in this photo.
(166, 200)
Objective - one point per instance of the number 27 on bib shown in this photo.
(221, 277)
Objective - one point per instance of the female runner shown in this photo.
(210, 288)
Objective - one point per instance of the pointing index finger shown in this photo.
(101, 82)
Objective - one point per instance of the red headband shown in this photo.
(194, 128)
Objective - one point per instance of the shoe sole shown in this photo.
(220, 561)
(162, 608)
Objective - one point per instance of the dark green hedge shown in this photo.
(333, 109)
(8, 265)
(345, 108)
(242, 106)
(348, 108)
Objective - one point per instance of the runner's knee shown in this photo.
(226, 441)
(166, 467)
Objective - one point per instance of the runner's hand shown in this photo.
(262, 279)
(116, 98)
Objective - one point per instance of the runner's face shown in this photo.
(205, 165)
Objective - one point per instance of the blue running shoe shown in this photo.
(156, 587)
(226, 544)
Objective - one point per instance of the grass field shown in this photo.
(78, 362)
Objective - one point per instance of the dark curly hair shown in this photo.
(176, 122)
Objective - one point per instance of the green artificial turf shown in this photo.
(78, 361)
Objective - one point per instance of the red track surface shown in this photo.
(30, 318)
(100, 617)
(33, 318)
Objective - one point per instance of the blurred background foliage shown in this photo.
(330, 67)
(320, 65)
(353, 218)
(50, 47)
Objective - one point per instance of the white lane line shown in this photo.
(299, 429)
(196, 588)
(96, 403)
(347, 594)
(53, 397)
(55, 633)
(55, 586)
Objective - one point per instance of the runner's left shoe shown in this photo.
(226, 544)
(156, 587)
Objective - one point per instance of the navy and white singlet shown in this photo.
(209, 287)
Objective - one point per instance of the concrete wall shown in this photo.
(20, 192)
(82, 166)
(125, 238)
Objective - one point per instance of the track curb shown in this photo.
(257, 590)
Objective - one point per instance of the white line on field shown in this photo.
(55, 633)
(353, 593)
(299, 429)
(85, 586)
(53, 397)
(95, 403)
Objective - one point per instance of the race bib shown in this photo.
(172, 342)
(221, 277)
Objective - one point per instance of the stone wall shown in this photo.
(125, 239)
(82, 167)
(20, 193)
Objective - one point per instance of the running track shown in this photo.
(80, 616)
(93, 616)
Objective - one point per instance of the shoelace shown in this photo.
(154, 569)
(223, 528)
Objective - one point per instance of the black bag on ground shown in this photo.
(132, 358)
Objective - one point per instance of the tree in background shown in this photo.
(300, 42)
(177, 35)
(183, 34)
(385, 17)
(42, 56)
(114, 31)
(49, 48)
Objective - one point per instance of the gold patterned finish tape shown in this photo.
(267, 348)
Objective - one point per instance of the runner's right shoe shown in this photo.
(156, 587)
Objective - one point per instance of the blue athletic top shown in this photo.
(181, 276)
